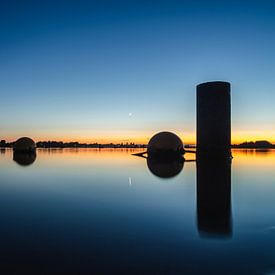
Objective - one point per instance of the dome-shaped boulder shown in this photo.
(24, 144)
(165, 144)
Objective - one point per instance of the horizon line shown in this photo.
(129, 142)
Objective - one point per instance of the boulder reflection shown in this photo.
(214, 198)
(164, 167)
(24, 159)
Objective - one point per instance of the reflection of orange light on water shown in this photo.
(77, 159)
(113, 155)
(87, 156)
(253, 157)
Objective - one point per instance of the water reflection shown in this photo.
(253, 152)
(165, 168)
(213, 189)
(24, 159)
(263, 151)
(214, 198)
(2, 150)
(79, 211)
(213, 192)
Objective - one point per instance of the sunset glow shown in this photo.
(142, 138)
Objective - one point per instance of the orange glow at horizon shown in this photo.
(242, 136)
(142, 137)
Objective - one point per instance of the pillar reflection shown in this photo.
(214, 197)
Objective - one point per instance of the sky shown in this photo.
(120, 71)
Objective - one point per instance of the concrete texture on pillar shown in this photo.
(213, 119)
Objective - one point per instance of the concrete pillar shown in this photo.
(213, 120)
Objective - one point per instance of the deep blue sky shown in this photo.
(123, 70)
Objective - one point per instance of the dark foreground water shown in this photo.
(88, 211)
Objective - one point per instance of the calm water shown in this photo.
(87, 211)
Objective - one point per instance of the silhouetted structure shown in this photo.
(165, 144)
(2, 143)
(164, 167)
(214, 197)
(24, 159)
(254, 145)
(164, 155)
(213, 119)
(75, 144)
(24, 145)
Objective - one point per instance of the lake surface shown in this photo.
(89, 211)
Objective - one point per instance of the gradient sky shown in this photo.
(123, 70)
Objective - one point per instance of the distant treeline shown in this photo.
(61, 144)
(253, 145)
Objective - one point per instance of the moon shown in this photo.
(130, 114)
